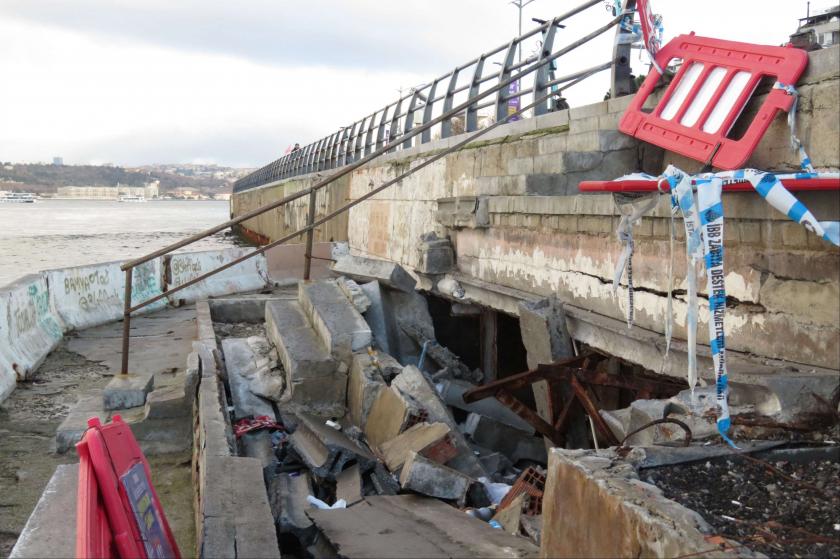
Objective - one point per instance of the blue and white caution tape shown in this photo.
(795, 143)
(710, 209)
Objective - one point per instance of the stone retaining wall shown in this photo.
(509, 203)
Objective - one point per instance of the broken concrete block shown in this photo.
(387, 417)
(287, 494)
(354, 293)
(364, 269)
(313, 377)
(384, 483)
(339, 325)
(414, 439)
(471, 212)
(452, 392)
(387, 365)
(257, 444)
(413, 385)
(381, 325)
(513, 443)
(326, 450)
(239, 362)
(363, 386)
(509, 517)
(434, 255)
(421, 475)
(254, 360)
(348, 485)
(443, 356)
(127, 391)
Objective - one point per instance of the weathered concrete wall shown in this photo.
(520, 229)
(291, 217)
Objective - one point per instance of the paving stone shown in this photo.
(127, 391)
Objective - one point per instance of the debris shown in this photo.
(354, 293)
(348, 485)
(388, 416)
(452, 392)
(414, 385)
(247, 424)
(338, 324)
(287, 493)
(531, 483)
(415, 439)
(509, 515)
(364, 269)
(451, 287)
(513, 443)
(496, 491)
(241, 367)
(363, 387)
(532, 525)
(416, 526)
(324, 450)
(443, 356)
(421, 475)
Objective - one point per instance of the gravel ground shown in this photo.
(238, 329)
(791, 510)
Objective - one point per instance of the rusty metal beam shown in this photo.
(585, 399)
(514, 382)
(529, 415)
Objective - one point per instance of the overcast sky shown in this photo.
(135, 82)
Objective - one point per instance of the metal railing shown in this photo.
(338, 153)
(423, 102)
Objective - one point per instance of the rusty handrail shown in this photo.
(127, 267)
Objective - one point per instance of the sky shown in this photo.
(134, 82)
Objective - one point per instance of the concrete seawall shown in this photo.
(520, 230)
(38, 309)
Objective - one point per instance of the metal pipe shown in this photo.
(347, 169)
(310, 233)
(126, 322)
(340, 210)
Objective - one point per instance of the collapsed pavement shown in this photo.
(337, 393)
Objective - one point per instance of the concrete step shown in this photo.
(334, 318)
(51, 528)
(312, 375)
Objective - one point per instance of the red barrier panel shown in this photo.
(703, 101)
(641, 185)
(115, 489)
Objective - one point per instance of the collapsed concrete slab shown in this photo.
(363, 386)
(287, 493)
(364, 269)
(325, 450)
(239, 362)
(421, 475)
(313, 378)
(354, 293)
(338, 324)
(416, 438)
(452, 392)
(254, 364)
(434, 255)
(415, 526)
(388, 416)
(348, 485)
(510, 441)
(412, 384)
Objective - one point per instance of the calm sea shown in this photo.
(62, 233)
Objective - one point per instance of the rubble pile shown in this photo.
(349, 402)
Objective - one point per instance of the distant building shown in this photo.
(820, 30)
(58, 161)
(150, 191)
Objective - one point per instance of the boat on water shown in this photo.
(17, 197)
(131, 198)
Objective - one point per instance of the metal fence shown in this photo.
(426, 102)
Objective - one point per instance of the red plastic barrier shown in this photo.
(716, 80)
(638, 185)
(117, 499)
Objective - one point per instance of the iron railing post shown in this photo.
(310, 234)
(126, 322)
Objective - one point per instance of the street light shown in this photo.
(520, 4)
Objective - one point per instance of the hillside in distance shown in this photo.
(46, 178)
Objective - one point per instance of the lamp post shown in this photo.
(520, 4)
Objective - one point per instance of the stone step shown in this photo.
(334, 318)
(313, 377)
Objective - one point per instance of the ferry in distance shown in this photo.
(17, 197)
(131, 198)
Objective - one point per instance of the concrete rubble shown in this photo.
(373, 414)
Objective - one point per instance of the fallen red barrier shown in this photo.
(118, 513)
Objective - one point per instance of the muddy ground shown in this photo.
(28, 421)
